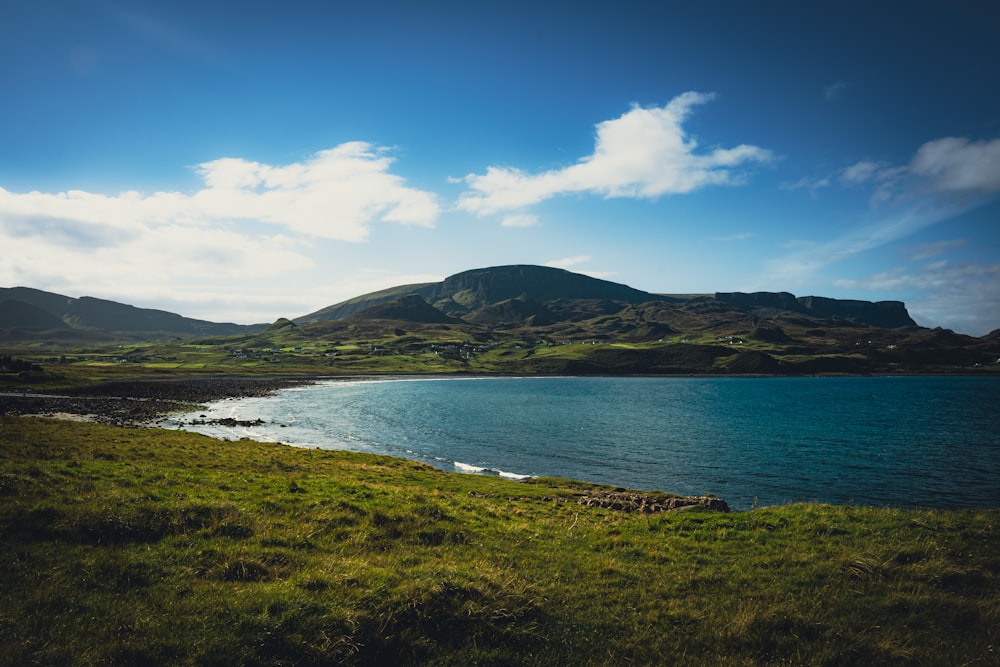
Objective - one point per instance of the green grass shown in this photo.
(154, 547)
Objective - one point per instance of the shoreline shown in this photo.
(142, 403)
(147, 402)
(160, 403)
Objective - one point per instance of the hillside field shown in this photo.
(141, 546)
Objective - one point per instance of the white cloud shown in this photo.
(152, 264)
(964, 297)
(956, 164)
(862, 172)
(250, 227)
(949, 166)
(645, 153)
(335, 194)
(567, 262)
(519, 220)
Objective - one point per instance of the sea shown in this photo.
(907, 442)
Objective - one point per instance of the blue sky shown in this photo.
(248, 161)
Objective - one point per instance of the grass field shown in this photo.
(140, 546)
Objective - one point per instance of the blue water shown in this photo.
(883, 441)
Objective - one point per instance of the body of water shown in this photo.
(884, 441)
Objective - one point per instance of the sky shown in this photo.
(241, 162)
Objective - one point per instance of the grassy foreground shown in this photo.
(138, 546)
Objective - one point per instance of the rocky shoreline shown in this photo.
(137, 403)
(144, 403)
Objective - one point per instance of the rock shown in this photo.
(629, 501)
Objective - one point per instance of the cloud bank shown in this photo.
(335, 194)
(644, 154)
(249, 222)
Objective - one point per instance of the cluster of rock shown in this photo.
(227, 421)
(626, 501)
(630, 501)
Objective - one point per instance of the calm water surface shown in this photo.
(899, 441)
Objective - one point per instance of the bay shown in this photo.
(880, 441)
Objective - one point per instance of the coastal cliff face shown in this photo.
(884, 314)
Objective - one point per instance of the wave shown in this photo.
(495, 472)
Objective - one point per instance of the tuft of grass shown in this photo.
(160, 547)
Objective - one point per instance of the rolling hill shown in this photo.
(533, 319)
(536, 296)
(24, 308)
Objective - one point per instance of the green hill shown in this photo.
(20, 315)
(155, 547)
(89, 314)
(409, 308)
(471, 291)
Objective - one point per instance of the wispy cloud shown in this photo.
(926, 251)
(949, 167)
(165, 34)
(863, 172)
(945, 178)
(957, 165)
(887, 227)
(519, 220)
(643, 154)
(805, 183)
(834, 91)
(964, 297)
(567, 262)
(742, 236)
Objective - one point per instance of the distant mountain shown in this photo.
(27, 308)
(22, 315)
(510, 297)
(517, 300)
(471, 291)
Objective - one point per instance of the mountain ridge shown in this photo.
(22, 308)
(549, 294)
(505, 297)
(522, 319)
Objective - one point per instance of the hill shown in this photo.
(409, 308)
(26, 308)
(521, 319)
(470, 291)
(156, 547)
(21, 315)
(540, 297)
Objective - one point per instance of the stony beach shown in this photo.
(140, 402)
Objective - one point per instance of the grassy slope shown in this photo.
(156, 547)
